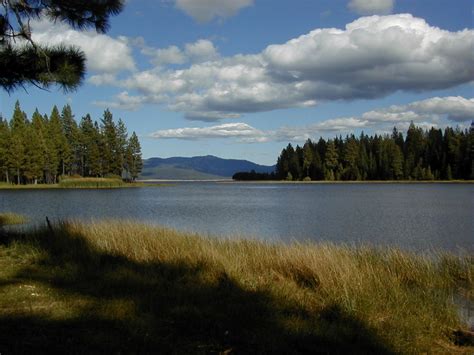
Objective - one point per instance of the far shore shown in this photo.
(77, 183)
(356, 182)
(164, 182)
(147, 181)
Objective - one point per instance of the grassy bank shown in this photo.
(89, 183)
(11, 219)
(124, 287)
(78, 183)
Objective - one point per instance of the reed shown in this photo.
(9, 218)
(128, 287)
(91, 183)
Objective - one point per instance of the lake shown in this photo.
(413, 216)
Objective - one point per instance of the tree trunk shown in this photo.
(18, 176)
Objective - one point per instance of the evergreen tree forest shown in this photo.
(433, 154)
(43, 148)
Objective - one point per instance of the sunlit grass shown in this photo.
(79, 183)
(182, 292)
(91, 183)
(11, 219)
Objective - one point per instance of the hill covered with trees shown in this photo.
(419, 155)
(200, 167)
(41, 149)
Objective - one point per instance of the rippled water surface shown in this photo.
(414, 216)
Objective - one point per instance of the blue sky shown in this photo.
(242, 78)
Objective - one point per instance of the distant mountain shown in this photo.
(198, 168)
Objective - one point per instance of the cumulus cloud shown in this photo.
(228, 130)
(103, 53)
(456, 108)
(453, 108)
(201, 51)
(427, 113)
(371, 7)
(124, 101)
(103, 79)
(170, 55)
(197, 52)
(371, 57)
(206, 10)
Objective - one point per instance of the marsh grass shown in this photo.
(9, 218)
(79, 183)
(91, 183)
(126, 287)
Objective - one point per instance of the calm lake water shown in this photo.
(413, 216)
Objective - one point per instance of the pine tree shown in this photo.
(16, 156)
(71, 132)
(395, 160)
(34, 156)
(414, 147)
(39, 126)
(134, 156)
(307, 157)
(331, 160)
(351, 154)
(58, 145)
(4, 147)
(111, 151)
(32, 63)
(122, 141)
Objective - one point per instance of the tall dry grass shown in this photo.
(189, 293)
(8, 218)
(91, 183)
(406, 298)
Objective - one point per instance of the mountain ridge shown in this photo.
(198, 167)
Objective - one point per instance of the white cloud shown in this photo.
(371, 7)
(228, 130)
(103, 79)
(201, 51)
(457, 108)
(206, 10)
(197, 52)
(104, 54)
(124, 101)
(453, 108)
(372, 57)
(427, 113)
(170, 55)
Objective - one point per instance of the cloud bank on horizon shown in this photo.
(425, 113)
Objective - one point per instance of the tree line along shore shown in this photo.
(420, 155)
(46, 149)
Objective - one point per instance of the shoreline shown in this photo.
(59, 187)
(349, 182)
(168, 182)
(230, 181)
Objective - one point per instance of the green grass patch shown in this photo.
(11, 219)
(125, 287)
(91, 183)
